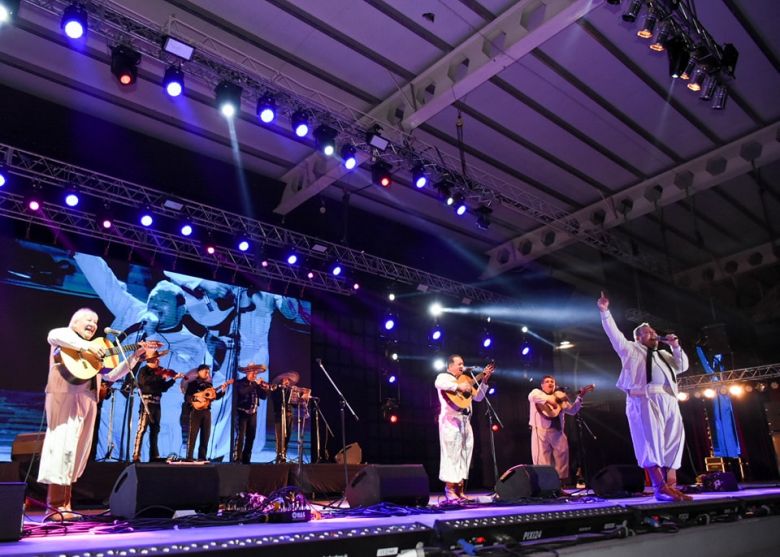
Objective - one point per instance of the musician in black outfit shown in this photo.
(249, 391)
(200, 420)
(153, 380)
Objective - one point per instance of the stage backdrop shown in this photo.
(198, 320)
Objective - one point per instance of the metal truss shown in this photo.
(759, 373)
(116, 192)
(136, 237)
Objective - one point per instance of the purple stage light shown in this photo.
(33, 205)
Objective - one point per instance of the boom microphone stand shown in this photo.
(342, 404)
(317, 415)
(491, 414)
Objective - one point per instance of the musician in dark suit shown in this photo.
(249, 392)
(153, 381)
(200, 418)
(549, 445)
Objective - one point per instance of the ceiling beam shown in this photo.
(486, 53)
(729, 266)
(589, 224)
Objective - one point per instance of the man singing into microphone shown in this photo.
(649, 378)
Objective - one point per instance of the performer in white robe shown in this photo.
(549, 445)
(649, 379)
(71, 410)
(456, 438)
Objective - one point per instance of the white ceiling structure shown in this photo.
(573, 133)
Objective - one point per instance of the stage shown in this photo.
(735, 523)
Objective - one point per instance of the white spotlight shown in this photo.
(436, 309)
(438, 364)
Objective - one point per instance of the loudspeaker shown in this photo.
(525, 480)
(618, 480)
(403, 484)
(354, 454)
(12, 515)
(719, 481)
(157, 490)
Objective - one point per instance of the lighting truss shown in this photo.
(117, 192)
(759, 373)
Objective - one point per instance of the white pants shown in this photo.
(656, 429)
(66, 447)
(456, 440)
(548, 444)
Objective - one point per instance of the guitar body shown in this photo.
(460, 399)
(202, 399)
(82, 366)
(555, 404)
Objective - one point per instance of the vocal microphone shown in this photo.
(110, 331)
(318, 360)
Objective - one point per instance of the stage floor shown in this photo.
(390, 535)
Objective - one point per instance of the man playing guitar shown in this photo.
(200, 393)
(549, 445)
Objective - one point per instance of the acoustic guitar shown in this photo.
(559, 401)
(459, 398)
(202, 399)
(80, 366)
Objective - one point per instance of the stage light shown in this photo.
(419, 178)
(348, 156)
(390, 410)
(389, 323)
(336, 269)
(391, 379)
(496, 428)
(697, 79)
(523, 329)
(436, 309)
(356, 286)
(124, 64)
(186, 229)
(33, 204)
(662, 37)
(483, 217)
(525, 349)
(394, 356)
(632, 11)
(300, 123)
(103, 218)
(736, 390)
(74, 21)
(709, 393)
(648, 28)
(690, 69)
(173, 81)
(444, 187)
(436, 333)
(310, 275)
(682, 397)
(266, 108)
(565, 345)
(211, 249)
(439, 364)
(380, 174)
(709, 87)
(325, 139)
(391, 297)
(243, 244)
(720, 97)
(228, 97)
(678, 55)
(147, 219)
(71, 198)
(487, 340)
(459, 204)
(292, 259)
(491, 391)
(375, 139)
(8, 10)
(3, 176)
(177, 48)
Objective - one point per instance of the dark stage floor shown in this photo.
(748, 522)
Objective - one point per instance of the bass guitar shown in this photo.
(202, 399)
(80, 366)
(559, 401)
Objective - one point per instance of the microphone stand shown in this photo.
(110, 443)
(342, 404)
(491, 414)
(317, 415)
(582, 424)
(130, 396)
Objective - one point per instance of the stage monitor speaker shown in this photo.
(618, 480)
(403, 484)
(158, 490)
(12, 504)
(719, 481)
(526, 480)
(354, 454)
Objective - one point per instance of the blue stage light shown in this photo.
(173, 81)
(300, 123)
(266, 108)
(71, 199)
(74, 21)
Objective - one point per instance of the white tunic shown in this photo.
(70, 414)
(549, 446)
(652, 409)
(456, 438)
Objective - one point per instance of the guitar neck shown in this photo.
(126, 347)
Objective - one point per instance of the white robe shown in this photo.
(70, 415)
(456, 438)
(652, 409)
(549, 446)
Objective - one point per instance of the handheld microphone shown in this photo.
(665, 338)
(318, 360)
(110, 331)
